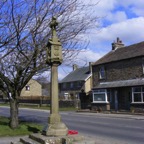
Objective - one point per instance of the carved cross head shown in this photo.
(53, 23)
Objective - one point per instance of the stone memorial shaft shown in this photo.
(55, 126)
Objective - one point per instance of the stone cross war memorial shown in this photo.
(55, 132)
(55, 126)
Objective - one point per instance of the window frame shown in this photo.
(100, 91)
(141, 92)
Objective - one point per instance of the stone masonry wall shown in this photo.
(35, 89)
(121, 70)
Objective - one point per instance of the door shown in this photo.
(116, 100)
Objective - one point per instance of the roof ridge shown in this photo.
(76, 75)
(122, 53)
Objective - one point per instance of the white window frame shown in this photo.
(100, 91)
(102, 72)
(141, 92)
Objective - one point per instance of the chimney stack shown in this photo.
(90, 66)
(117, 44)
(75, 67)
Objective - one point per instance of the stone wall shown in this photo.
(35, 89)
(121, 70)
(64, 104)
(98, 107)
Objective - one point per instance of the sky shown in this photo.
(118, 18)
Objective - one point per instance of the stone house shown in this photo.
(33, 88)
(79, 80)
(118, 78)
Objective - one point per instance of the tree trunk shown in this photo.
(14, 122)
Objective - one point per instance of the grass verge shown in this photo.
(42, 107)
(25, 128)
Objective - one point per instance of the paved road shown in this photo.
(105, 128)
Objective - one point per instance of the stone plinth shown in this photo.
(57, 129)
(69, 139)
(41, 139)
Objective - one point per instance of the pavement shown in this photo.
(8, 140)
(136, 116)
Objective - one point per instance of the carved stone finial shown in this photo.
(54, 50)
(53, 26)
(53, 23)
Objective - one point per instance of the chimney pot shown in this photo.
(117, 44)
(90, 66)
(75, 67)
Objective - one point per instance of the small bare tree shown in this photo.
(24, 33)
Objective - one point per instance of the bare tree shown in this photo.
(24, 34)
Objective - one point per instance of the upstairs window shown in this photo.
(27, 88)
(143, 65)
(102, 72)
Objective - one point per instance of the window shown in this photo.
(27, 87)
(143, 65)
(64, 85)
(66, 96)
(137, 94)
(102, 73)
(79, 84)
(71, 85)
(100, 95)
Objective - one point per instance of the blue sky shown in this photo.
(119, 18)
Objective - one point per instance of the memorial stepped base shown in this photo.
(41, 139)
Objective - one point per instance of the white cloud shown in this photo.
(45, 74)
(129, 31)
(112, 8)
(87, 56)
(118, 16)
(133, 5)
(138, 11)
(102, 7)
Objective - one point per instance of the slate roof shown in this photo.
(121, 83)
(80, 74)
(122, 53)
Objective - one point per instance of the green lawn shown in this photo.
(25, 128)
